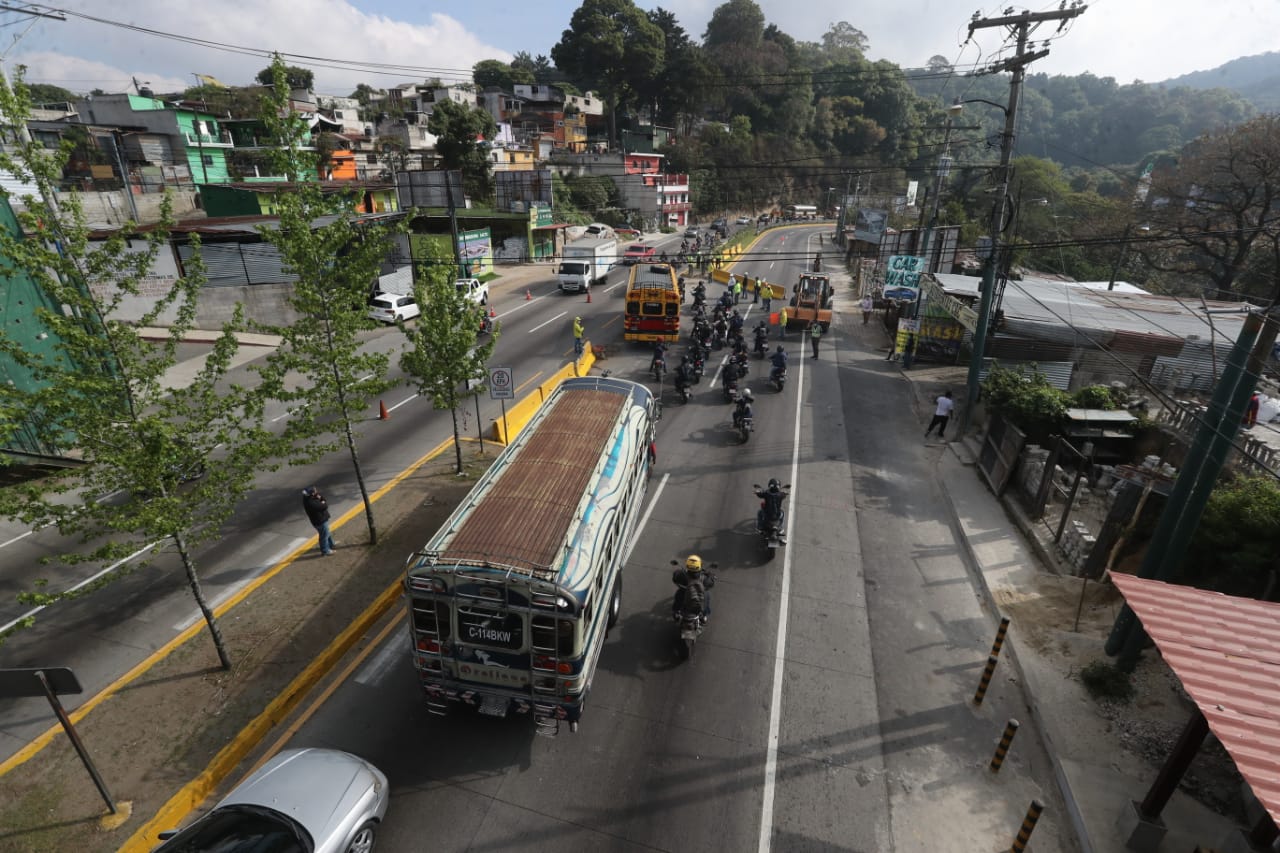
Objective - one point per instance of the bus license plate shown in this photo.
(494, 706)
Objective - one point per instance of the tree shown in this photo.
(676, 91)
(539, 67)
(182, 461)
(1222, 198)
(459, 129)
(295, 77)
(844, 38)
(443, 356)
(493, 72)
(44, 93)
(320, 370)
(613, 48)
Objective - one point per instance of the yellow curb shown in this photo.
(46, 737)
(198, 789)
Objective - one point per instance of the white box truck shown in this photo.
(586, 261)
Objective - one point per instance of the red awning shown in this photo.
(1226, 652)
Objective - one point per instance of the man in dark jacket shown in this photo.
(317, 509)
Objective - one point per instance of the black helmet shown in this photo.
(780, 349)
(774, 485)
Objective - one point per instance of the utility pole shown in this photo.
(459, 272)
(1022, 25)
(844, 207)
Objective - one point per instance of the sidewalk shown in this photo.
(1104, 754)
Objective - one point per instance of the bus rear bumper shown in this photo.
(496, 702)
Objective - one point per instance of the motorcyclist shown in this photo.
(726, 300)
(742, 408)
(659, 354)
(692, 585)
(684, 372)
(771, 500)
(720, 328)
(680, 283)
(735, 322)
(779, 360)
(700, 291)
(761, 332)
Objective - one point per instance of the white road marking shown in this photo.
(217, 601)
(20, 536)
(380, 663)
(644, 519)
(549, 322)
(402, 402)
(111, 568)
(780, 648)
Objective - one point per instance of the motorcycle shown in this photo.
(738, 365)
(659, 367)
(730, 387)
(778, 378)
(761, 348)
(683, 391)
(689, 617)
(717, 337)
(773, 534)
(746, 426)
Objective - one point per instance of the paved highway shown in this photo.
(827, 706)
(105, 634)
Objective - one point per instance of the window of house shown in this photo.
(207, 158)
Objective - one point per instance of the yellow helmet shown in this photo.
(693, 564)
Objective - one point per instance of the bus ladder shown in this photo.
(544, 642)
(437, 703)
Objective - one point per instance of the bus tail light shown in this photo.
(564, 668)
(429, 644)
(544, 662)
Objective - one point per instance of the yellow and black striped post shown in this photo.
(985, 681)
(1000, 632)
(1028, 826)
(1002, 748)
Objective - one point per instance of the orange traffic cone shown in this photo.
(527, 295)
(588, 295)
(383, 414)
(492, 313)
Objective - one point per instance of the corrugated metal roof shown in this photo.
(543, 486)
(1118, 416)
(1037, 303)
(1226, 652)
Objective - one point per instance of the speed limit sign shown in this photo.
(501, 385)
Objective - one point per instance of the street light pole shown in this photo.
(993, 262)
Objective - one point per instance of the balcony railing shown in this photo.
(222, 140)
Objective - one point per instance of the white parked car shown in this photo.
(389, 307)
(301, 801)
(474, 289)
(744, 220)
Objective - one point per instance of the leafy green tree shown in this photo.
(494, 72)
(539, 67)
(44, 93)
(160, 467)
(843, 38)
(295, 77)
(321, 370)
(235, 101)
(1239, 534)
(1222, 200)
(611, 47)
(676, 90)
(457, 128)
(444, 356)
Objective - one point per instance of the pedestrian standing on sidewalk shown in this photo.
(317, 509)
(782, 322)
(941, 414)
(868, 305)
(737, 290)
(815, 335)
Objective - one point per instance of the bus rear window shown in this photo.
(491, 629)
(423, 621)
(656, 309)
(673, 309)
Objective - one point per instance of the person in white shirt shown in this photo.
(941, 415)
(868, 305)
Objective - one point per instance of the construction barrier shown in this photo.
(522, 411)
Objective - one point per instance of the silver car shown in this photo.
(301, 801)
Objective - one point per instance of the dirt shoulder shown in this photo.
(166, 727)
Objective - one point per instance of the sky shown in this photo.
(386, 42)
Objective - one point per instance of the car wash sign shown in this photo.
(902, 278)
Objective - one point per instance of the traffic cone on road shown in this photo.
(383, 414)
(527, 295)
(492, 313)
(588, 295)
